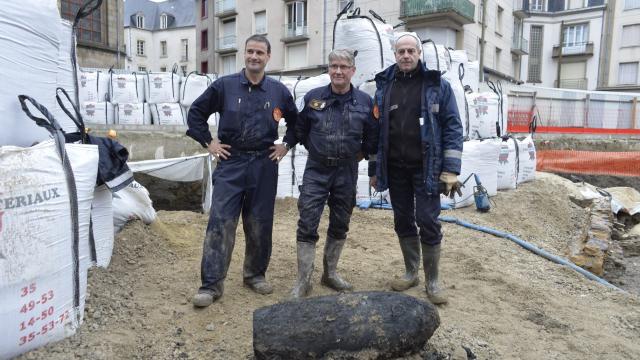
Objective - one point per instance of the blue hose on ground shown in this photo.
(534, 249)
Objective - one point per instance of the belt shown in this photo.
(249, 152)
(332, 161)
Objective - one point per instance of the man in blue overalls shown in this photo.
(245, 179)
(419, 157)
(338, 128)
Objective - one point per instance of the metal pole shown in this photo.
(560, 54)
(482, 43)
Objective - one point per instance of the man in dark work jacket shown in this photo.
(419, 156)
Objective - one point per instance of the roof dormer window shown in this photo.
(164, 19)
(140, 21)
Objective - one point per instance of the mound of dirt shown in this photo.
(505, 302)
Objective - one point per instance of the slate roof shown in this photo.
(181, 13)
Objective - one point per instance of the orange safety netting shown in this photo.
(589, 162)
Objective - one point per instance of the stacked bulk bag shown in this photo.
(503, 111)
(454, 77)
(30, 44)
(371, 37)
(93, 86)
(162, 87)
(127, 88)
(507, 163)
(368, 88)
(481, 158)
(193, 85)
(483, 115)
(435, 56)
(133, 114)
(98, 112)
(302, 87)
(168, 114)
(526, 159)
(65, 78)
(289, 82)
(471, 75)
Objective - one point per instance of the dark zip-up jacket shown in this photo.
(249, 114)
(405, 142)
(440, 127)
(329, 130)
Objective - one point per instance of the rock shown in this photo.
(382, 325)
(96, 315)
(210, 327)
(459, 354)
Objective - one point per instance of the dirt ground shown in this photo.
(505, 303)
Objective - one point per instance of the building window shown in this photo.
(536, 5)
(631, 4)
(260, 21)
(163, 21)
(90, 27)
(142, 68)
(499, 20)
(185, 50)
(628, 73)
(575, 35)
(496, 60)
(140, 48)
(204, 40)
(229, 64)
(204, 9)
(163, 69)
(630, 35)
(228, 31)
(535, 54)
(163, 48)
(296, 18)
(296, 56)
(140, 21)
(204, 67)
(183, 68)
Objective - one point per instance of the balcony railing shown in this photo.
(226, 43)
(520, 45)
(579, 84)
(575, 49)
(461, 10)
(225, 7)
(294, 32)
(521, 8)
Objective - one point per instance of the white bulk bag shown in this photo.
(97, 112)
(130, 203)
(30, 42)
(289, 82)
(369, 88)
(65, 78)
(162, 87)
(168, 114)
(507, 164)
(127, 88)
(471, 74)
(458, 56)
(304, 86)
(36, 237)
(483, 115)
(458, 93)
(527, 159)
(93, 86)
(435, 56)
(133, 114)
(102, 225)
(371, 38)
(193, 85)
(481, 158)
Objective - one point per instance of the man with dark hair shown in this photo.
(250, 105)
(419, 157)
(338, 128)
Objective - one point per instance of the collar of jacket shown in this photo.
(244, 81)
(431, 77)
(327, 93)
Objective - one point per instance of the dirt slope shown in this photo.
(505, 303)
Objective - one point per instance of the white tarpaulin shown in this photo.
(30, 43)
(480, 158)
(372, 39)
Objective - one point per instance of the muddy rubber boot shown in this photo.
(306, 254)
(410, 247)
(431, 260)
(330, 277)
(205, 298)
